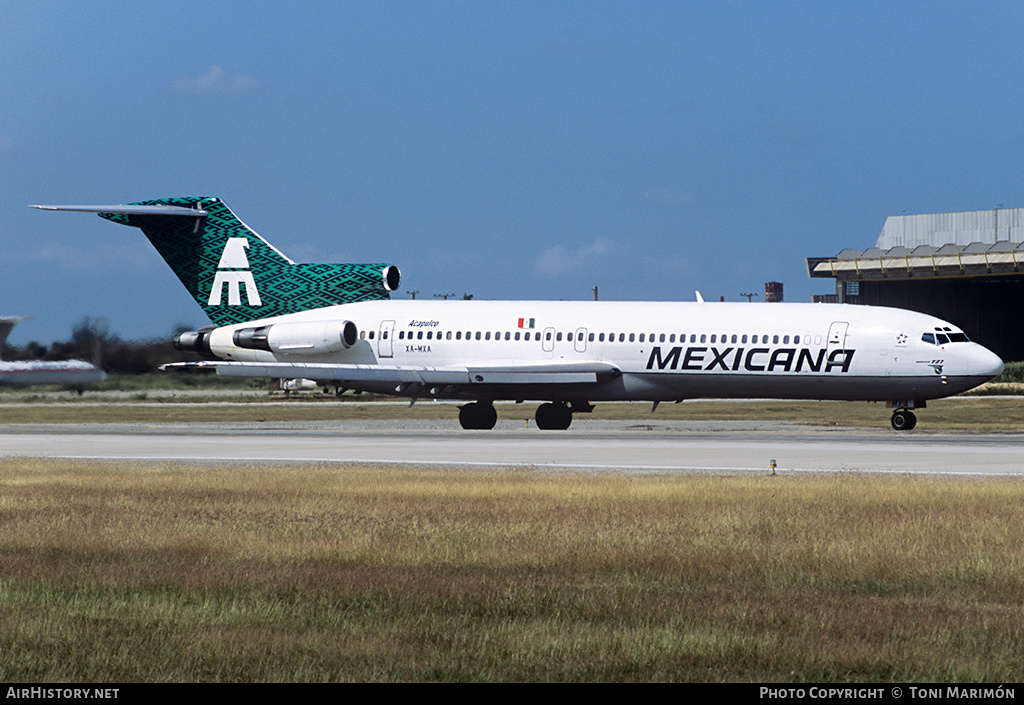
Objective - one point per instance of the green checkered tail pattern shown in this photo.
(236, 276)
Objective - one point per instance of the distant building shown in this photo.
(966, 268)
(773, 292)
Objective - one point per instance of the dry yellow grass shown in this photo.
(169, 572)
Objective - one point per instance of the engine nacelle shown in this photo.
(313, 338)
(392, 277)
(197, 341)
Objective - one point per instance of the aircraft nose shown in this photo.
(982, 362)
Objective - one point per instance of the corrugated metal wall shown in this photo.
(938, 229)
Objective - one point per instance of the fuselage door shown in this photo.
(837, 336)
(385, 339)
(581, 340)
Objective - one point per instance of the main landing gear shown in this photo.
(480, 415)
(551, 416)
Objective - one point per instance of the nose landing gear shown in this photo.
(903, 420)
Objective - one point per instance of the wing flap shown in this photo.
(578, 373)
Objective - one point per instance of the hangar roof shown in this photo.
(972, 243)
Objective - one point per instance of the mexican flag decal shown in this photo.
(526, 322)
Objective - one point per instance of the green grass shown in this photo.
(134, 573)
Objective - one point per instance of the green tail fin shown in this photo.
(236, 275)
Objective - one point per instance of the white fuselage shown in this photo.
(655, 351)
(71, 372)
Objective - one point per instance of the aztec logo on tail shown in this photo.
(232, 272)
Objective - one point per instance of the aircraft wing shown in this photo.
(553, 373)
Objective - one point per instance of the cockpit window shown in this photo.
(944, 338)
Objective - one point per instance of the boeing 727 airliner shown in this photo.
(70, 373)
(336, 324)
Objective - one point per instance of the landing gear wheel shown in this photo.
(553, 417)
(903, 420)
(478, 416)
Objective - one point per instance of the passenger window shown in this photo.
(785, 340)
(632, 337)
(734, 338)
(558, 335)
(713, 338)
(703, 338)
(600, 338)
(672, 338)
(478, 335)
(591, 340)
(744, 339)
(796, 340)
(775, 339)
(641, 337)
(508, 335)
(458, 335)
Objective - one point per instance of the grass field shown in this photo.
(134, 573)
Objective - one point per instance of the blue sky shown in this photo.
(512, 150)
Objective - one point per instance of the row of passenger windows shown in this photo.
(558, 336)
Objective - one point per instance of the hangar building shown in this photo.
(966, 268)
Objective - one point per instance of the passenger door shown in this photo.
(385, 339)
(837, 336)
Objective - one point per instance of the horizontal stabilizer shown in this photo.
(129, 210)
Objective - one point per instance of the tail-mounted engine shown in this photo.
(314, 338)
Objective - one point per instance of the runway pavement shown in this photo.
(622, 446)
